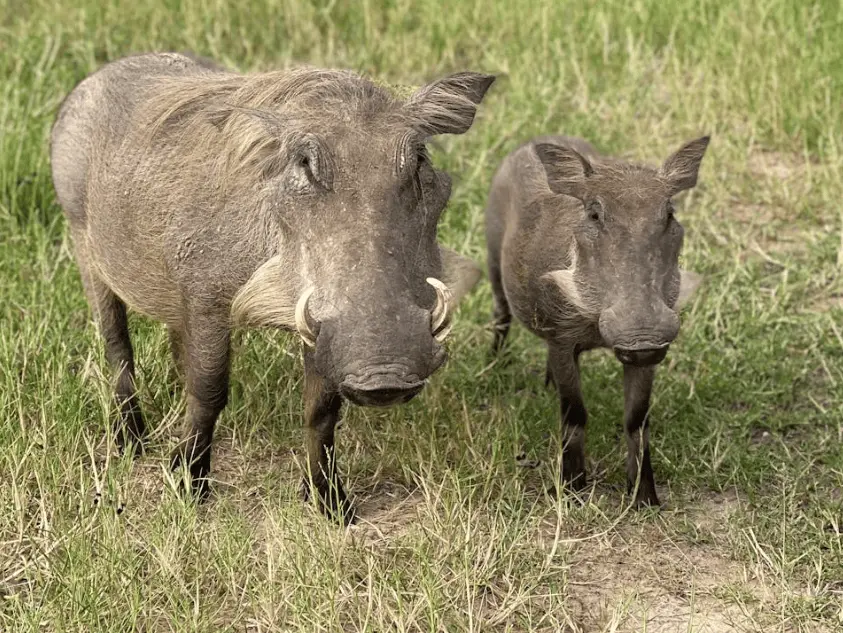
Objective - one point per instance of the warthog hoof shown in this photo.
(573, 471)
(199, 468)
(645, 497)
(129, 431)
(331, 499)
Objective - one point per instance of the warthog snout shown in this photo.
(639, 335)
(377, 352)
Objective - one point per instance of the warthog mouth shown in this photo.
(380, 393)
(642, 356)
(382, 386)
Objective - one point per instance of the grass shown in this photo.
(455, 535)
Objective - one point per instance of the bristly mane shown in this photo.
(298, 93)
(242, 123)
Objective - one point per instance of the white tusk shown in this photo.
(303, 321)
(439, 315)
(442, 334)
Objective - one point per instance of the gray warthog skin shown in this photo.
(301, 199)
(583, 250)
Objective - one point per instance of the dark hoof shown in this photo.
(200, 486)
(130, 446)
(576, 484)
(129, 432)
(573, 472)
(646, 499)
(331, 500)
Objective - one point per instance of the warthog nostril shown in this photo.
(641, 356)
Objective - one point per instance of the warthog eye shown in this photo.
(306, 166)
(424, 168)
(595, 211)
(669, 214)
(422, 156)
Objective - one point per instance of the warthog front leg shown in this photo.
(562, 363)
(321, 412)
(637, 386)
(206, 355)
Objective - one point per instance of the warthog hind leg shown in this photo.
(110, 314)
(502, 316)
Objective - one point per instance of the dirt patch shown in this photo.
(386, 511)
(826, 304)
(762, 231)
(760, 220)
(777, 165)
(713, 512)
(638, 578)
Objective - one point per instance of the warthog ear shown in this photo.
(688, 284)
(681, 169)
(565, 168)
(459, 273)
(448, 106)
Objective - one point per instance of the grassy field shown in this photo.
(456, 533)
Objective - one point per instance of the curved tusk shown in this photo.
(439, 316)
(442, 334)
(307, 329)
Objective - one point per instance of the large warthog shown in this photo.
(584, 250)
(301, 199)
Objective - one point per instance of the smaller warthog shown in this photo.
(584, 250)
(301, 199)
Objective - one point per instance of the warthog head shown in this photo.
(625, 253)
(352, 187)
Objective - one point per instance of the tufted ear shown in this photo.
(459, 273)
(565, 168)
(448, 106)
(681, 169)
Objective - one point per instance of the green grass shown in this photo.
(455, 536)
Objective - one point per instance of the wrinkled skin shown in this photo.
(584, 251)
(302, 200)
